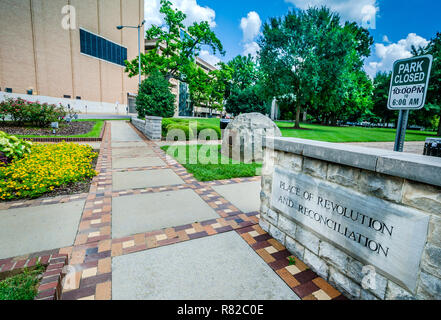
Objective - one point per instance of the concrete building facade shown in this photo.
(42, 53)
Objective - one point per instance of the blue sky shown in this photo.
(395, 25)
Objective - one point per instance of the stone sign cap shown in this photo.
(408, 166)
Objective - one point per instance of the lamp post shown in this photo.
(139, 46)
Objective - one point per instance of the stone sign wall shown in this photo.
(372, 235)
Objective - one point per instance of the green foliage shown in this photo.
(22, 286)
(246, 101)
(192, 130)
(380, 97)
(310, 57)
(12, 147)
(244, 72)
(47, 167)
(173, 54)
(155, 98)
(223, 168)
(432, 112)
(33, 113)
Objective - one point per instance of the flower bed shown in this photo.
(33, 113)
(46, 168)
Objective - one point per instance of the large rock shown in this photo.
(243, 138)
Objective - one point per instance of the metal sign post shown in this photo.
(403, 118)
(408, 91)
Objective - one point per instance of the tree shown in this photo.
(246, 101)
(433, 102)
(310, 56)
(176, 49)
(154, 97)
(380, 98)
(245, 72)
(208, 89)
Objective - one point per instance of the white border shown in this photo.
(427, 82)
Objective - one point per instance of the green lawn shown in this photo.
(22, 286)
(348, 134)
(213, 169)
(336, 134)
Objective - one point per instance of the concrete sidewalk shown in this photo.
(149, 230)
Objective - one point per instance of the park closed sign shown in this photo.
(409, 83)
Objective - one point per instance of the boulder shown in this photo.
(243, 137)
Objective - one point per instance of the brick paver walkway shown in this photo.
(90, 257)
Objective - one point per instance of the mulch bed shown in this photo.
(74, 128)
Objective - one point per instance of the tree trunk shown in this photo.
(439, 127)
(297, 125)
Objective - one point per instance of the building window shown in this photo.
(66, 96)
(101, 48)
(9, 90)
(78, 97)
(29, 92)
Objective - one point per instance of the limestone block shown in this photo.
(315, 168)
(395, 292)
(270, 215)
(366, 295)
(294, 247)
(422, 196)
(430, 287)
(286, 225)
(435, 231)
(318, 265)
(334, 256)
(307, 239)
(264, 225)
(342, 282)
(345, 176)
(277, 234)
(431, 261)
(289, 161)
(386, 187)
(354, 270)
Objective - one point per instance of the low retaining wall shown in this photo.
(366, 220)
(151, 127)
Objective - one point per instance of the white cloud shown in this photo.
(361, 11)
(386, 39)
(194, 12)
(211, 59)
(251, 48)
(388, 54)
(250, 26)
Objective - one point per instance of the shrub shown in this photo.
(47, 167)
(154, 97)
(12, 147)
(33, 113)
(183, 125)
